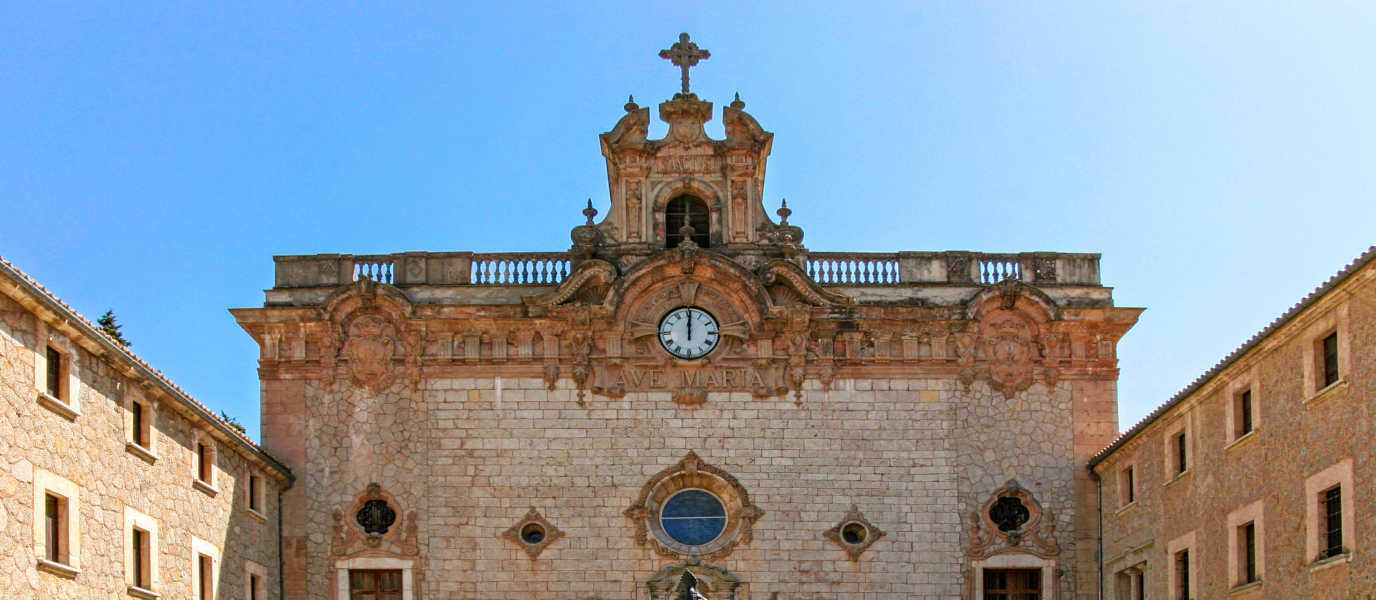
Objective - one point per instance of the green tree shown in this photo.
(111, 328)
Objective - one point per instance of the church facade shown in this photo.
(688, 401)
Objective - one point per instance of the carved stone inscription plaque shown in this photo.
(687, 385)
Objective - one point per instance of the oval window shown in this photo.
(693, 517)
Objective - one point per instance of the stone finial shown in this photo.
(737, 103)
(687, 232)
(590, 212)
(631, 106)
(784, 212)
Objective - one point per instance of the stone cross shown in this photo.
(685, 55)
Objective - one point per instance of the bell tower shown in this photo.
(714, 187)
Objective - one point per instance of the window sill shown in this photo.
(1124, 508)
(1251, 435)
(1325, 393)
(141, 452)
(139, 592)
(1331, 561)
(57, 568)
(1245, 588)
(205, 487)
(61, 408)
(1179, 476)
(260, 517)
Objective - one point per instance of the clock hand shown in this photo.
(690, 326)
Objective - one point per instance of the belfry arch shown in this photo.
(687, 209)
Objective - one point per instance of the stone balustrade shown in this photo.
(550, 268)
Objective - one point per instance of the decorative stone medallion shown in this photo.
(533, 533)
(854, 533)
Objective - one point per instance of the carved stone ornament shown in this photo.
(1008, 345)
(854, 533)
(692, 473)
(587, 284)
(372, 522)
(708, 581)
(533, 533)
(1012, 521)
(370, 347)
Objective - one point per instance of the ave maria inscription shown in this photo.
(689, 385)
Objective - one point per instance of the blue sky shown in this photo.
(155, 156)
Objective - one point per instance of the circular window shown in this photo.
(693, 517)
(533, 534)
(854, 533)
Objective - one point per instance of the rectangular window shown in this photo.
(202, 465)
(1141, 579)
(255, 500)
(205, 578)
(54, 509)
(1330, 359)
(139, 437)
(1131, 486)
(1332, 504)
(1182, 458)
(54, 388)
(139, 545)
(255, 587)
(1012, 584)
(1245, 413)
(374, 585)
(1249, 556)
(1182, 574)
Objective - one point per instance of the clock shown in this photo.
(689, 332)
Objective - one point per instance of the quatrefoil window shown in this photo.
(1009, 514)
(375, 517)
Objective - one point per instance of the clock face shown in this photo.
(689, 332)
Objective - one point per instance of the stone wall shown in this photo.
(915, 457)
(1300, 431)
(90, 451)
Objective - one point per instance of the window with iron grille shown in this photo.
(54, 373)
(1182, 575)
(1330, 359)
(1012, 584)
(687, 210)
(1332, 504)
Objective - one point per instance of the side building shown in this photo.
(1256, 481)
(115, 482)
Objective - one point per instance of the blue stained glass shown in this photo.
(693, 517)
